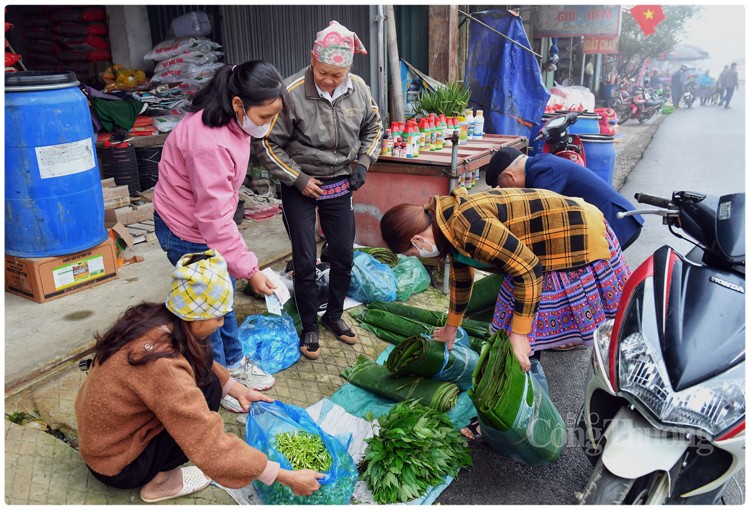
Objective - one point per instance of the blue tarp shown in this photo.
(505, 80)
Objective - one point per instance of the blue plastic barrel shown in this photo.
(586, 124)
(600, 155)
(53, 192)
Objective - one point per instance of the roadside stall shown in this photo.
(398, 180)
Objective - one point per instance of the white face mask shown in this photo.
(252, 129)
(434, 252)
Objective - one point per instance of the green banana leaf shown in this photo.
(370, 376)
(394, 323)
(430, 358)
(484, 293)
(516, 415)
(384, 334)
(431, 317)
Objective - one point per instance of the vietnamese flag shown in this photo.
(647, 16)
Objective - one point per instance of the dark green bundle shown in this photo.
(392, 327)
(484, 293)
(431, 317)
(383, 255)
(416, 447)
(425, 357)
(370, 376)
(516, 415)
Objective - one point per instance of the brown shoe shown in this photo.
(340, 329)
(310, 347)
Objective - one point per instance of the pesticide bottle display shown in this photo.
(479, 125)
(387, 143)
(470, 124)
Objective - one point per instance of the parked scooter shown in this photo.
(642, 107)
(664, 411)
(558, 142)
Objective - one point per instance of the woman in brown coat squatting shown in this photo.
(149, 403)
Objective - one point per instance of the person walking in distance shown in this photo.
(731, 82)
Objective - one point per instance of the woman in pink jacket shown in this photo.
(204, 162)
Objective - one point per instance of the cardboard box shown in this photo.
(129, 214)
(48, 278)
(114, 196)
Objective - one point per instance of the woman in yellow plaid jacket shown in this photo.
(565, 270)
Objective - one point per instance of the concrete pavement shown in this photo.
(40, 468)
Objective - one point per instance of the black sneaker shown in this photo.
(310, 347)
(340, 329)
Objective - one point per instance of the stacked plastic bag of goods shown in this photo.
(189, 58)
(65, 38)
(574, 99)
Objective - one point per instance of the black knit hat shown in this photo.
(500, 162)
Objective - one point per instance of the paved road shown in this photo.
(701, 149)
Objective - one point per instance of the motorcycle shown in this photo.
(642, 107)
(558, 142)
(688, 97)
(622, 101)
(664, 412)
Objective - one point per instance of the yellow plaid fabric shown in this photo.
(201, 287)
(522, 233)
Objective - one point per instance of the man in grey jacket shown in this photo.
(329, 120)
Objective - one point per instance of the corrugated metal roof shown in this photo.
(284, 34)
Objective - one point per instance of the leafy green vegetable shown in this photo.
(304, 450)
(416, 447)
(450, 99)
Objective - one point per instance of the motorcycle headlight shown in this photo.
(712, 406)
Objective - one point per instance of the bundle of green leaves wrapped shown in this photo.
(370, 376)
(389, 326)
(477, 331)
(430, 358)
(383, 255)
(516, 414)
(415, 448)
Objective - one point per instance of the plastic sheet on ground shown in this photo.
(334, 420)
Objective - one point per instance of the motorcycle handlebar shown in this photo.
(643, 198)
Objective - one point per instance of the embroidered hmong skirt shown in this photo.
(573, 302)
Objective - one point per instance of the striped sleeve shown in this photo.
(370, 132)
(270, 150)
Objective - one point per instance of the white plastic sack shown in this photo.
(170, 48)
(575, 98)
(193, 57)
(185, 71)
(166, 123)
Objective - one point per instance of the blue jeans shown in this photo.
(225, 343)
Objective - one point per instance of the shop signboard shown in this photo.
(600, 45)
(577, 21)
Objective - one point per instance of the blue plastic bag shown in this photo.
(371, 280)
(264, 421)
(270, 340)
